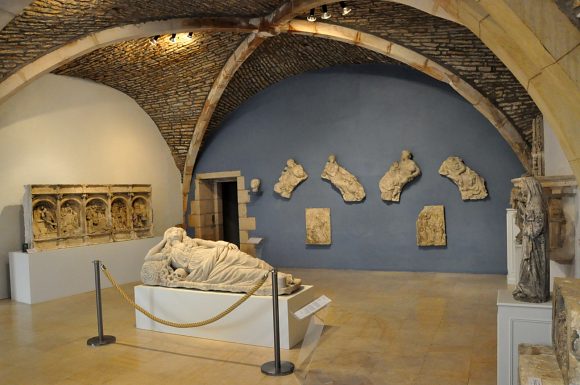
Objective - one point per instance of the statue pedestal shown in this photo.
(51, 274)
(250, 324)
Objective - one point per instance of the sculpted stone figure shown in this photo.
(400, 173)
(44, 221)
(471, 186)
(534, 280)
(431, 226)
(292, 175)
(348, 184)
(181, 261)
(69, 219)
(318, 226)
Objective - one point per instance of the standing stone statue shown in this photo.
(534, 280)
(348, 184)
(292, 175)
(470, 184)
(400, 173)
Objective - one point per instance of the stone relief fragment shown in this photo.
(344, 181)
(60, 216)
(399, 174)
(431, 226)
(534, 280)
(318, 230)
(470, 184)
(292, 175)
(566, 328)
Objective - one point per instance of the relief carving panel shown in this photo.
(399, 174)
(318, 230)
(431, 226)
(348, 184)
(292, 175)
(470, 184)
(59, 216)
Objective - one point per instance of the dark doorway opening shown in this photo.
(231, 224)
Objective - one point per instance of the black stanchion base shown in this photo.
(269, 368)
(106, 340)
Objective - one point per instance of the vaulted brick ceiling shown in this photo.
(171, 81)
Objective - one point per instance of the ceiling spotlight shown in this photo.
(311, 17)
(154, 39)
(172, 38)
(325, 14)
(190, 35)
(345, 9)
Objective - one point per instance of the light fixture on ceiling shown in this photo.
(154, 39)
(311, 17)
(173, 38)
(345, 9)
(325, 14)
(190, 35)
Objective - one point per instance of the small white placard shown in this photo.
(534, 381)
(313, 307)
(255, 240)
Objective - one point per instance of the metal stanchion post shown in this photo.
(100, 339)
(276, 367)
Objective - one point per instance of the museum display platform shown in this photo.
(519, 323)
(51, 274)
(250, 324)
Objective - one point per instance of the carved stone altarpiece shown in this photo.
(431, 226)
(59, 216)
(318, 231)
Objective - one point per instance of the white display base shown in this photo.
(52, 274)
(517, 323)
(250, 324)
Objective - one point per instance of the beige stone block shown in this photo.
(203, 190)
(410, 57)
(241, 183)
(248, 248)
(247, 223)
(219, 175)
(538, 362)
(193, 221)
(243, 196)
(194, 207)
(570, 63)
(10, 85)
(513, 43)
(244, 236)
(206, 206)
(470, 15)
(242, 210)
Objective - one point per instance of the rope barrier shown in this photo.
(189, 324)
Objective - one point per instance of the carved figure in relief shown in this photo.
(119, 215)
(347, 183)
(534, 280)
(181, 261)
(399, 174)
(44, 221)
(318, 226)
(292, 175)
(431, 227)
(140, 214)
(96, 217)
(470, 184)
(69, 219)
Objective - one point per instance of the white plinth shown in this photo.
(46, 275)
(250, 324)
(517, 323)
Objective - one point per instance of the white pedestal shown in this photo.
(51, 274)
(519, 322)
(514, 251)
(250, 324)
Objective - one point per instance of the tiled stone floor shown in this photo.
(382, 328)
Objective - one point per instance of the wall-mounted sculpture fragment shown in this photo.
(255, 185)
(399, 174)
(58, 216)
(344, 181)
(431, 226)
(470, 184)
(292, 175)
(318, 230)
(534, 280)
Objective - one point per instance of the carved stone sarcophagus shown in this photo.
(566, 328)
(59, 216)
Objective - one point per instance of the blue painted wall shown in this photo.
(366, 115)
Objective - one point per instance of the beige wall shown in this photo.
(66, 130)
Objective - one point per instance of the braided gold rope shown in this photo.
(190, 324)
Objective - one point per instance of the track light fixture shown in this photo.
(311, 17)
(172, 38)
(345, 9)
(325, 14)
(154, 39)
(190, 35)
